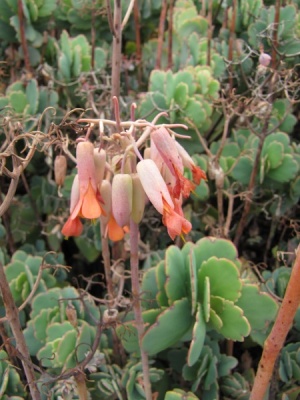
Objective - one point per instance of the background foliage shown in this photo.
(225, 283)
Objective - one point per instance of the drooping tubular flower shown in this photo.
(112, 229)
(158, 194)
(167, 148)
(188, 162)
(85, 196)
(73, 226)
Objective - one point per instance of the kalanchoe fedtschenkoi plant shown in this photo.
(121, 197)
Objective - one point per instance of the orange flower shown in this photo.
(198, 173)
(166, 146)
(174, 220)
(158, 193)
(85, 197)
(112, 230)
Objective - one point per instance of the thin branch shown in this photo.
(12, 314)
(161, 31)
(231, 42)
(116, 51)
(170, 35)
(138, 41)
(127, 15)
(23, 36)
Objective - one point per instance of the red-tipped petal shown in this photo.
(198, 174)
(72, 227)
(174, 221)
(115, 232)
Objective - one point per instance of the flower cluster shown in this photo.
(117, 191)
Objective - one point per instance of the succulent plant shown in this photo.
(190, 45)
(289, 367)
(260, 31)
(195, 291)
(28, 100)
(235, 386)
(22, 272)
(11, 386)
(178, 394)
(61, 330)
(187, 94)
(36, 16)
(74, 56)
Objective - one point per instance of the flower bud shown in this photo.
(122, 198)
(138, 199)
(60, 170)
(264, 59)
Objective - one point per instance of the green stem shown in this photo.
(134, 264)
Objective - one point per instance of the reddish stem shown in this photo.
(170, 35)
(161, 31)
(23, 36)
(116, 50)
(136, 16)
(276, 338)
(275, 34)
(231, 42)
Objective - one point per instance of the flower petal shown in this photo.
(115, 232)
(72, 227)
(90, 208)
(153, 184)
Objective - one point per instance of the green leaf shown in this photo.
(175, 274)
(223, 278)
(47, 8)
(65, 44)
(206, 299)
(243, 169)
(210, 246)
(193, 286)
(157, 81)
(77, 64)
(259, 308)
(195, 112)
(149, 289)
(128, 335)
(32, 94)
(66, 346)
(64, 66)
(185, 77)
(33, 10)
(18, 101)
(87, 248)
(170, 326)
(181, 94)
(161, 297)
(84, 341)
(100, 58)
(198, 334)
(275, 154)
(235, 325)
(287, 170)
